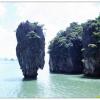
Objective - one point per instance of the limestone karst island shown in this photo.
(30, 49)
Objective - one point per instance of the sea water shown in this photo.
(47, 85)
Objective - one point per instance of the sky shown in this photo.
(55, 16)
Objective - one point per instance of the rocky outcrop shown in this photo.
(91, 47)
(65, 51)
(30, 48)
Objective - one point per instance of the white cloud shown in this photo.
(2, 10)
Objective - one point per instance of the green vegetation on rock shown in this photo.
(65, 50)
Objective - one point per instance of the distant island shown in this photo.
(8, 59)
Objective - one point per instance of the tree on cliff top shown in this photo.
(64, 38)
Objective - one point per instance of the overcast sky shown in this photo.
(55, 16)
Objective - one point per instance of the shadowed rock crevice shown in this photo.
(30, 48)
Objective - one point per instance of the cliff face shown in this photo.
(65, 51)
(30, 48)
(91, 46)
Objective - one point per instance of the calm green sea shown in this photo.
(46, 86)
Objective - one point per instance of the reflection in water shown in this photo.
(46, 86)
